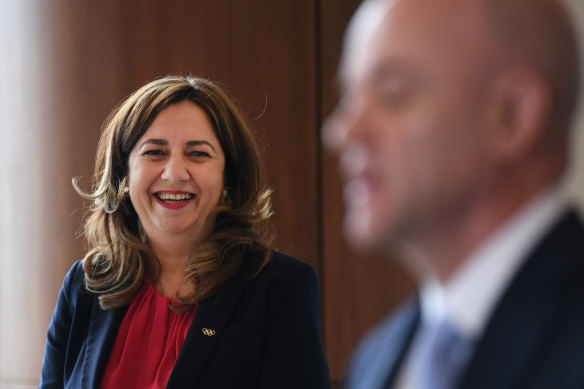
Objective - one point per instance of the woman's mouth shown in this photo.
(173, 200)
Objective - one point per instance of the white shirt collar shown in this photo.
(468, 298)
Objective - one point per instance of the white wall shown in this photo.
(575, 184)
(24, 102)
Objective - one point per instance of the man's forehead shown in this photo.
(372, 35)
(358, 37)
(390, 33)
(366, 20)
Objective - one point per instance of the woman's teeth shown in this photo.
(171, 197)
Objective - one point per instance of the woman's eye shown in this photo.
(153, 153)
(199, 154)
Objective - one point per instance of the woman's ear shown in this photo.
(518, 113)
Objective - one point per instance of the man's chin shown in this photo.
(361, 233)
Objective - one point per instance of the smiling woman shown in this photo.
(175, 180)
(180, 287)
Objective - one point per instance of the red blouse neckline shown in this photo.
(148, 342)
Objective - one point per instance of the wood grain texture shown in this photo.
(69, 62)
(87, 57)
(359, 289)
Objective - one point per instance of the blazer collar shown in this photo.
(103, 328)
(400, 339)
(379, 355)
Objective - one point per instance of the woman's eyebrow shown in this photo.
(192, 143)
(159, 142)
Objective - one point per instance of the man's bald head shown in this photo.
(540, 34)
(535, 33)
(451, 109)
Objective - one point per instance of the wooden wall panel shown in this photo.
(359, 289)
(90, 55)
(245, 45)
(67, 63)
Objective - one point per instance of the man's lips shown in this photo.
(357, 192)
(361, 173)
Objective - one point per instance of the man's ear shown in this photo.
(518, 113)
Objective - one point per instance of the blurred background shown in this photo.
(64, 65)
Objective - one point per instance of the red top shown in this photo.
(148, 342)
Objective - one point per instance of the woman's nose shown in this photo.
(175, 169)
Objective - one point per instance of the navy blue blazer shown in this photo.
(268, 334)
(534, 338)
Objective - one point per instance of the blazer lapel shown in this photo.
(199, 344)
(379, 355)
(102, 332)
(524, 320)
(401, 339)
(510, 343)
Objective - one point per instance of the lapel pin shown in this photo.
(208, 332)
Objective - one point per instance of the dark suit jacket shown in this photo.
(534, 338)
(268, 334)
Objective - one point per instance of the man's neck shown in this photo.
(468, 296)
(440, 252)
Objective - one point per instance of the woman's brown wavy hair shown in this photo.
(119, 259)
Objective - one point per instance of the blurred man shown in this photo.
(452, 135)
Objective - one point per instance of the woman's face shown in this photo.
(175, 174)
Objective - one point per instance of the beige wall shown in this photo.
(25, 202)
(575, 182)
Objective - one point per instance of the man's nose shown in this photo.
(341, 126)
(175, 169)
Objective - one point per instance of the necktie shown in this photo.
(442, 356)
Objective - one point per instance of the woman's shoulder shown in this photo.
(280, 261)
(74, 282)
(282, 266)
(76, 274)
